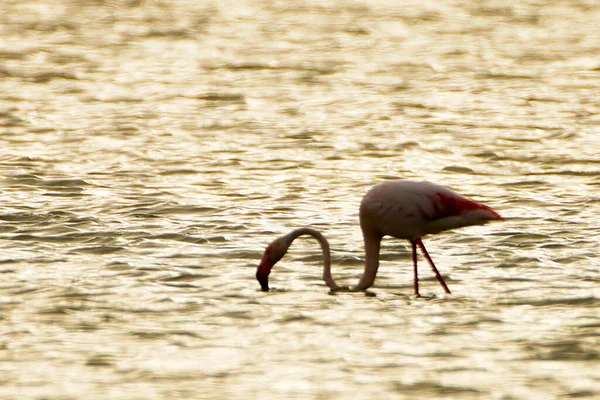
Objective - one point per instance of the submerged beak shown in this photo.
(263, 271)
(263, 280)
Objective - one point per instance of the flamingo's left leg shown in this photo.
(430, 261)
(414, 257)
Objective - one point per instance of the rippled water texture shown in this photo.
(149, 151)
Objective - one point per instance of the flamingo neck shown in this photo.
(372, 246)
(327, 277)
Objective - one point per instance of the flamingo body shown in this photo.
(401, 209)
(410, 210)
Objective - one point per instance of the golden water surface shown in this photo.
(150, 150)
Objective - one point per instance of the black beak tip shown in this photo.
(264, 282)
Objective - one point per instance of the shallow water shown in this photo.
(149, 152)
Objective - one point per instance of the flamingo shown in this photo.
(402, 209)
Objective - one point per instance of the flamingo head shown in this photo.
(273, 253)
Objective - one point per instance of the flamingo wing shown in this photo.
(451, 211)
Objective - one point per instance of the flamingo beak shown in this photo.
(263, 271)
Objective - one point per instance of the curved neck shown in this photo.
(290, 237)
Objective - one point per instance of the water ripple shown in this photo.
(152, 150)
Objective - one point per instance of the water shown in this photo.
(151, 150)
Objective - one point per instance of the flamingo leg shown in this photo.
(414, 256)
(430, 261)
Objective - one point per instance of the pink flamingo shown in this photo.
(405, 210)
